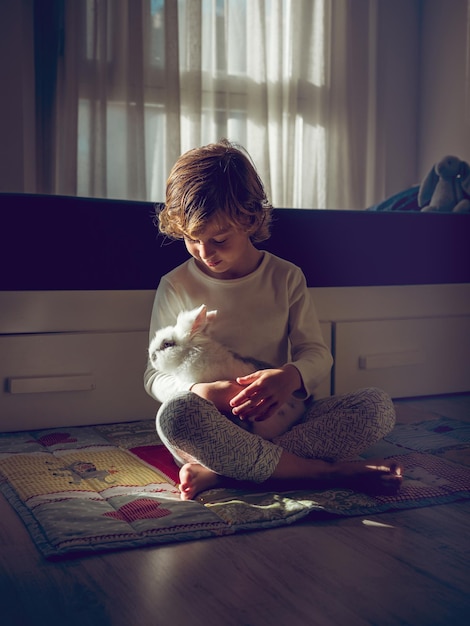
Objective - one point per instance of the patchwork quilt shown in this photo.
(110, 487)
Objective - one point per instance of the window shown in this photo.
(250, 71)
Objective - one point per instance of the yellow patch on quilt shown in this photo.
(41, 474)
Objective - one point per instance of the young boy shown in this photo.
(216, 203)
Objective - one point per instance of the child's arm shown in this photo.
(266, 391)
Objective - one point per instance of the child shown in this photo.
(216, 203)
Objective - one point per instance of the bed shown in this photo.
(77, 429)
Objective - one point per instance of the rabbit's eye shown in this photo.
(167, 344)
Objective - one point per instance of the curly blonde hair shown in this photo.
(215, 182)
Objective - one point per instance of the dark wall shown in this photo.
(57, 242)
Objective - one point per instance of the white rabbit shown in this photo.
(187, 351)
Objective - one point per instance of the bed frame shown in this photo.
(392, 291)
(60, 242)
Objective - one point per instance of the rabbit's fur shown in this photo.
(187, 351)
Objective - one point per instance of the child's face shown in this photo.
(222, 251)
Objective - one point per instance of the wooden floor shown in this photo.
(408, 567)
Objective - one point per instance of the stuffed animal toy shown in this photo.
(447, 187)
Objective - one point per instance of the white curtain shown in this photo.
(294, 81)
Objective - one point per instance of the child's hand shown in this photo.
(220, 393)
(264, 392)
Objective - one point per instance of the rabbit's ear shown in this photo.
(200, 320)
(465, 177)
(427, 188)
(211, 315)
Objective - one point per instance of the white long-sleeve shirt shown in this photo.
(268, 315)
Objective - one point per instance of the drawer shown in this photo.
(65, 379)
(62, 379)
(407, 357)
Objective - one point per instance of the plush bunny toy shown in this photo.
(447, 187)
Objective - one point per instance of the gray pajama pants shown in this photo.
(335, 428)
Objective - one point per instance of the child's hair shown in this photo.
(215, 182)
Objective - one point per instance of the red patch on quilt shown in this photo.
(143, 508)
(160, 458)
(55, 438)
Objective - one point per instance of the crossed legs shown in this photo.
(213, 451)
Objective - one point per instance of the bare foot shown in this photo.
(195, 478)
(370, 477)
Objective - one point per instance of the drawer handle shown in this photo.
(51, 384)
(391, 359)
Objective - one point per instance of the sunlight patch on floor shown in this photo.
(373, 523)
